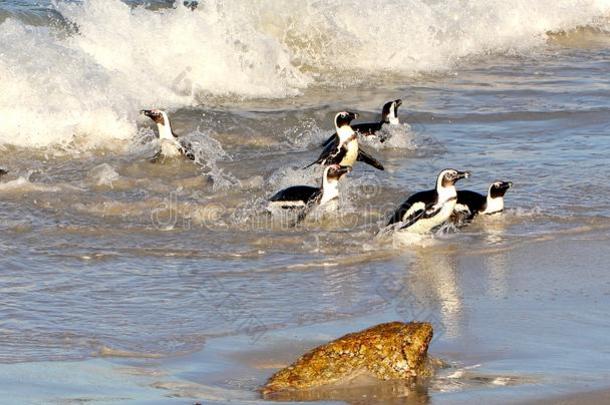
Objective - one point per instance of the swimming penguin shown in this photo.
(171, 146)
(304, 198)
(343, 150)
(424, 211)
(389, 115)
(192, 5)
(470, 204)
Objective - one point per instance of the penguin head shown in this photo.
(162, 120)
(335, 172)
(330, 182)
(389, 113)
(157, 116)
(448, 177)
(499, 188)
(344, 118)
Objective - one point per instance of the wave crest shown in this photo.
(91, 80)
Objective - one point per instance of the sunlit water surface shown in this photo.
(177, 269)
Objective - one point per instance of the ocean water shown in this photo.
(123, 280)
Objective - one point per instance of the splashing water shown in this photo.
(89, 78)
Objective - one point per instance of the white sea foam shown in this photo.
(394, 136)
(24, 185)
(290, 176)
(91, 83)
(104, 175)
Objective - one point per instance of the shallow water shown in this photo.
(107, 256)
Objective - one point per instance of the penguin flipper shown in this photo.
(365, 157)
(311, 164)
(330, 140)
(418, 211)
(330, 150)
(411, 219)
(312, 201)
(414, 203)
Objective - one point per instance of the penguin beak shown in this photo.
(344, 170)
(148, 113)
(398, 102)
(500, 188)
(462, 175)
(352, 116)
(337, 171)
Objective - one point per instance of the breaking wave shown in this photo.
(85, 74)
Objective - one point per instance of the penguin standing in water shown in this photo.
(427, 210)
(389, 116)
(344, 150)
(305, 198)
(171, 146)
(470, 204)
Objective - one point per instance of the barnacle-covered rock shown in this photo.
(394, 350)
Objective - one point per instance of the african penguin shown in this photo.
(344, 150)
(389, 115)
(424, 211)
(192, 5)
(171, 146)
(470, 204)
(304, 198)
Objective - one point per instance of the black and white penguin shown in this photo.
(192, 5)
(389, 116)
(171, 146)
(470, 204)
(304, 198)
(424, 211)
(344, 150)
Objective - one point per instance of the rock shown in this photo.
(388, 351)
